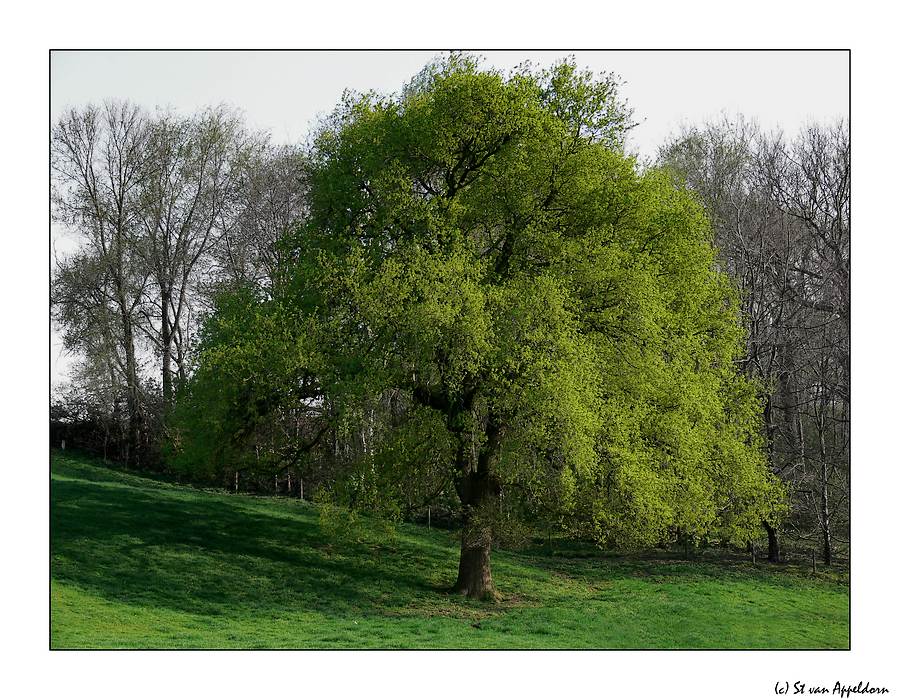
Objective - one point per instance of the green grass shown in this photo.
(139, 563)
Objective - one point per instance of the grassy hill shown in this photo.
(139, 563)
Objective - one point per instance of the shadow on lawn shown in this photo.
(217, 555)
(134, 541)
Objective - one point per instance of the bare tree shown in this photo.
(195, 167)
(167, 208)
(809, 181)
(271, 205)
(98, 157)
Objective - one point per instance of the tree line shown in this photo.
(168, 210)
(414, 309)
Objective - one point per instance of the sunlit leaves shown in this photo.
(481, 246)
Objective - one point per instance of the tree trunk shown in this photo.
(132, 448)
(474, 577)
(477, 487)
(166, 351)
(774, 555)
(826, 519)
(771, 532)
(826, 510)
(787, 380)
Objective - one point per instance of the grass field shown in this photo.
(137, 563)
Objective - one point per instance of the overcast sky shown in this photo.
(284, 92)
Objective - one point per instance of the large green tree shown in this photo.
(481, 246)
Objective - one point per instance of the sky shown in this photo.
(284, 93)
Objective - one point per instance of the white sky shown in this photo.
(284, 92)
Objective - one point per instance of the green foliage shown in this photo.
(481, 246)
(484, 240)
(140, 564)
(254, 360)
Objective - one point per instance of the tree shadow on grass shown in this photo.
(220, 555)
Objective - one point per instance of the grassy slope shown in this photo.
(137, 563)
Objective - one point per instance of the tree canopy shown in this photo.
(489, 284)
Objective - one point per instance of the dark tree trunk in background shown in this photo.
(166, 341)
(772, 533)
(826, 518)
(132, 448)
(825, 504)
(786, 385)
